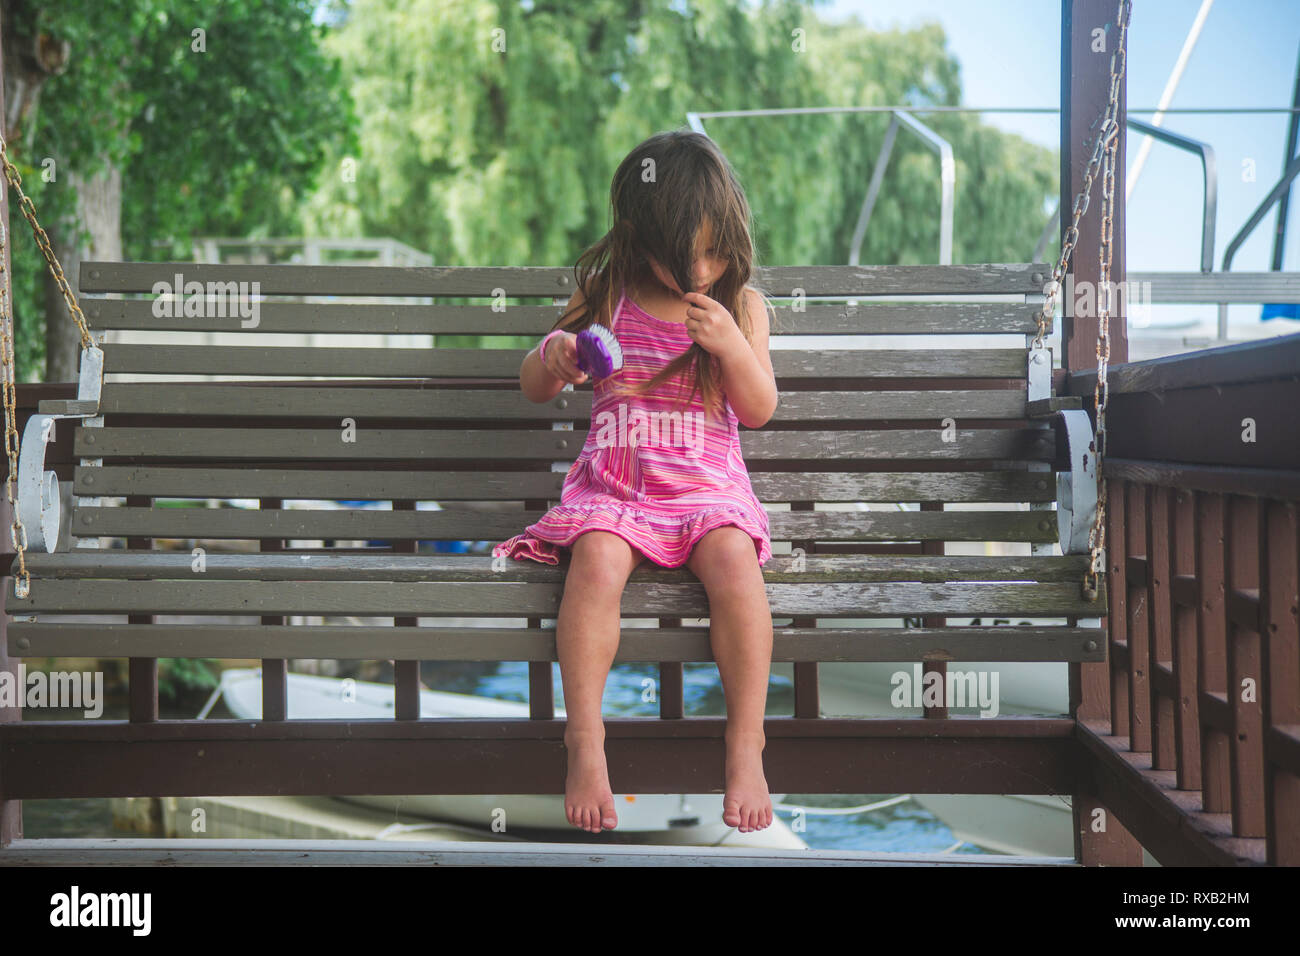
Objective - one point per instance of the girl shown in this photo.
(661, 474)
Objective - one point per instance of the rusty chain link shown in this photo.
(1104, 152)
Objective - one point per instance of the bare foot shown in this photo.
(746, 805)
(588, 800)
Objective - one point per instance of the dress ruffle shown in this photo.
(640, 524)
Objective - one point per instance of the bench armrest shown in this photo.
(1076, 489)
(1046, 407)
(40, 499)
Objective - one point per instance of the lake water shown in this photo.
(902, 827)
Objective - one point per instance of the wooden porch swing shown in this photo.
(407, 425)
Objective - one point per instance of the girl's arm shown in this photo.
(747, 375)
(541, 383)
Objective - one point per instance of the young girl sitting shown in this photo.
(661, 474)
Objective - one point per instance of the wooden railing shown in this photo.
(1192, 726)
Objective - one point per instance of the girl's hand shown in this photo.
(711, 325)
(562, 359)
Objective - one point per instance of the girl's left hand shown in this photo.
(711, 325)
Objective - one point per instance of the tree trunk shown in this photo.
(99, 210)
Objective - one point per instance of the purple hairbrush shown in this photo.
(599, 354)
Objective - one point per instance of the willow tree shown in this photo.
(490, 130)
(135, 121)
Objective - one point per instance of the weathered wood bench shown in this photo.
(946, 425)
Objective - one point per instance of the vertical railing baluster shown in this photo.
(1139, 694)
(1280, 665)
(1184, 587)
(1117, 548)
(1164, 754)
(1211, 650)
(1245, 546)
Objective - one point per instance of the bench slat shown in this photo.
(343, 642)
(254, 400)
(791, 364)
(347, 318)
(285, 566)
(508, 599)
(391, 444)
(208, 482)
(556, 281)
(357, 524)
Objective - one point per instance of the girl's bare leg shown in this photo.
(586, 639)
(740, 630)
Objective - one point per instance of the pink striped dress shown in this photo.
(654, 470)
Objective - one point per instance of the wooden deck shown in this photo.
(201, 852)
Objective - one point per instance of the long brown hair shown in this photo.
(661, 194)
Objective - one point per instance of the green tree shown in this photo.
(158, 120)
(490, 130)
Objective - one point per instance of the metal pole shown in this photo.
(1293, 132)
(899, 117)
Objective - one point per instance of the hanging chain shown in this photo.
(1105, 299)
(17, 533)
(1104, 151)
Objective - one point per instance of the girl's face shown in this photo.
(707, 268)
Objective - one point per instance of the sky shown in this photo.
(1246, 56)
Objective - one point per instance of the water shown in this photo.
(902, 827)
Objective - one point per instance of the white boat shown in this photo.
(694, 817)
(1017, 824)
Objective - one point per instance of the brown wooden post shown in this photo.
(541, 688)
(142, 672)
(807, 690)
(1085, 91)
(934, 620)
(275, 670)
(406, 674)
(11, 812)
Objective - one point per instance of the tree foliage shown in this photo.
(486, 131)
(219, 116)
(490, 130)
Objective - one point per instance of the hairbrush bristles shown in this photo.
(599, 354)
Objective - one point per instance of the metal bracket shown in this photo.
(40, 500)
(1076, 489)
(1039, 363)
